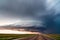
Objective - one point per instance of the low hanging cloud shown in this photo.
(23, 10)
(41, 13)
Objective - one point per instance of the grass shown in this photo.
(13, 36)
(55, 36)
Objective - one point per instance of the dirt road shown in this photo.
(37, 37)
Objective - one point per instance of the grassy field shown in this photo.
(55, 36)
(13, 36)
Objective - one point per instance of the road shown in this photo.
(36, 37)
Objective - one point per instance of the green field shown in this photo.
(55, 36)
(13, 36)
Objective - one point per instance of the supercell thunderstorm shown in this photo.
(39, 13)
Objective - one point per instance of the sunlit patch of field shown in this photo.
(55, 36)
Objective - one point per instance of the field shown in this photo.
(55, 36)
(13, 36)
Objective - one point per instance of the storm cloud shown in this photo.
(23, 9)
(42, 12)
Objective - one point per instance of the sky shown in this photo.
(12, 11)
(41, 13)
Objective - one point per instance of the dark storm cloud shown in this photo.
(53, 19)
(23, 9)
(43, 11)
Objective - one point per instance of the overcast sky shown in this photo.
(12, 11)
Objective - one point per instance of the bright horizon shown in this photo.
(5, 31)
